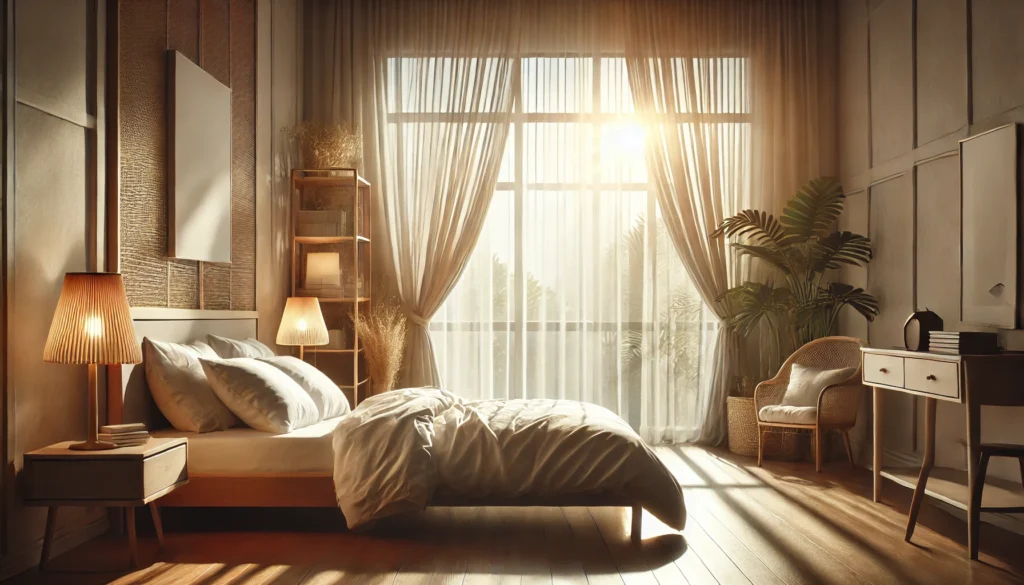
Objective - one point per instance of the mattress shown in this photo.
(247, 451)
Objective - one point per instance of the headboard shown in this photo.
(128, 397)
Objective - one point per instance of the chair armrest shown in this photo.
(768, 393)
(839, 404)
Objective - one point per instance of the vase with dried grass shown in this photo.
(381, 332)
(326, 146)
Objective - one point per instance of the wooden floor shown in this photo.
(779, 524)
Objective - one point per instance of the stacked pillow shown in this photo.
(201, 388)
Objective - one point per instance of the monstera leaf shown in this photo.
(814, 209)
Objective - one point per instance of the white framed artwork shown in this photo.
(199, 163)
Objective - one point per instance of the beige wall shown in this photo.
(50, 210)
(898, 149)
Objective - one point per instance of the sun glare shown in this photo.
(621, 142)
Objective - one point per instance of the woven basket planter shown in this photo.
(779, 444)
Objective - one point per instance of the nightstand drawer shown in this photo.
(883, 369)
(933, 377)
(105, 479)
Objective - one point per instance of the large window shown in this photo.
(574, 289)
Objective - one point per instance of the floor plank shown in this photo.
(780, 524)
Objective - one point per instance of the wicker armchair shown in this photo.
(837, 404)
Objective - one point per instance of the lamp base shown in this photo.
(92, 446)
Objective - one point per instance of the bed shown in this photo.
(242, 467)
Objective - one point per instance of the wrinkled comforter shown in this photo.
(393, 452)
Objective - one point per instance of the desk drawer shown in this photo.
(883, 369)
(933, 377)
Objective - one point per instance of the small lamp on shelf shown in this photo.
(323, 273)
(92, 325)
(302, 324)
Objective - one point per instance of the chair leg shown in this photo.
(1021, 461)
(849, 448)
(817, 450)
(760, 444)
(975, 518)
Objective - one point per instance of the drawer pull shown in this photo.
(930, 377)
(884, 370)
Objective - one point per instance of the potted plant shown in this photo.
(803, 301)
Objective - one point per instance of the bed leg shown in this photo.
(637, 524)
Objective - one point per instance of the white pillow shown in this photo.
(329, 399)
(806, 383)
(179, 387)
(264, 397)
(233, 348)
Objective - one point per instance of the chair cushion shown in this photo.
(806, 383)
(797, 415)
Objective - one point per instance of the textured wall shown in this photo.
(915, 78)
(219, 35)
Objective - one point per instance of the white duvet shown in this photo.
(393, 452)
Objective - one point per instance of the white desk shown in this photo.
(972, 380)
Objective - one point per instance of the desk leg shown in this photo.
(926, 465)
(157, 524)
(133, 543)
(973, 451)
(877, 413)
(51, 523)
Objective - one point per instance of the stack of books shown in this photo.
(962, 342)
(127, 435)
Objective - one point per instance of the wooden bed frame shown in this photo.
(128, 400)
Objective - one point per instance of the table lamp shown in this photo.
(302, 324)
(92, 325)
(323, 269)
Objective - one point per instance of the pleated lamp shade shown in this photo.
(92, 323)
(302, 323)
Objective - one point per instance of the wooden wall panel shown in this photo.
(243, 155)
(890, 39)
(183, 29)
(214, 38)
(853, 121)
(941, 68)
(891, 274)
(938, 238)
(220, 36)
(143, 119)
(183, 36)
(997, 57)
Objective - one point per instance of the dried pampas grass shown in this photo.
(381, 333)
(325, 146)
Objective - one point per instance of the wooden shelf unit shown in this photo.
(331, 213)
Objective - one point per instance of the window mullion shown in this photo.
(518, 354)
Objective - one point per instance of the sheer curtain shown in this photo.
(695, 70)
(576, 287)
(443, 78)
(575, 290)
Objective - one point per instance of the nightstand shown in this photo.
(124, 478)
